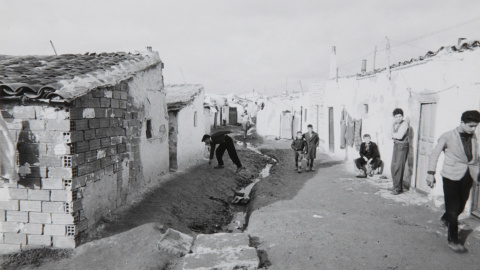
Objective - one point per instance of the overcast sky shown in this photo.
(238, 46)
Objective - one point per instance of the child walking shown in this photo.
(299, 145)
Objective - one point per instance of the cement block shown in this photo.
(63, 241)
(58, 125)
(9, 248)
(31, 206)
(15, 238)
(60, 219)
(13, 227)
(40, 240)
(23, 112)
(60, 173)
(17, 216)
(175, 242)
(44, 218)
(89, 134)
(61, 196)
(31, 228)
(204, 243)
(88, 113)
(17, 194)
(53, 229)
(52, 183)
(38, 195)
(29, 183)
(241, 258)
(53, 207)
(95, 144)
(35, 125)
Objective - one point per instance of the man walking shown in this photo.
(312, 140)
(369, 156)
(400, 150)
(224, 143)
(460, 167)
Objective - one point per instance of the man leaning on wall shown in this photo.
(400, 150)
(460, 168)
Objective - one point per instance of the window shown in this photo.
(365, 108)
(195, 119)
(305, 115)
(149, 129)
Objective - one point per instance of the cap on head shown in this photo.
(397, 111)
(366, 136)
(206, 136)
(471, 116)
(309, 126)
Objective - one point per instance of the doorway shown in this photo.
(286, 128)
(331, 138)
(426, 136)
(232, 119)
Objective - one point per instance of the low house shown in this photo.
(92, 134)
(433, 90)
(186, 124)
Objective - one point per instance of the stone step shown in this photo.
(222, 251)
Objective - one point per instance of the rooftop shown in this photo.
(68, 76)
(181, 95)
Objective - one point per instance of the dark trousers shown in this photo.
(456, 194)
(232, 153)
(298, 158)
(400, 154)
(360, 162)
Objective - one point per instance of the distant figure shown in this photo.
(400, 150)
(312, 143)
(369, 157)
(263, 105)
(246, 123)
(460, 167)
(224, 143)
(299, 146)
(8, 154)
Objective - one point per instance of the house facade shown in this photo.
(185, 104)
(91, 134)
(433, 90)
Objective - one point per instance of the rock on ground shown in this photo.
(222, 251)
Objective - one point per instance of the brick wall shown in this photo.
(78, 162)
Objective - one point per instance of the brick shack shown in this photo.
(91, 134)
(186, 124)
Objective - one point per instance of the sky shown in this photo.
(267, 46)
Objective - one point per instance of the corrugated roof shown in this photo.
(67, 76)
(466, 46)
(181, 95)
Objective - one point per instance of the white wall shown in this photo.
(190, 148)
(451, 80)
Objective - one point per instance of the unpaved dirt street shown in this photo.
(331, 220)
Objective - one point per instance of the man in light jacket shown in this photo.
(460, 168)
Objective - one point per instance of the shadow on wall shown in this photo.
(28, 156)
(407, 179)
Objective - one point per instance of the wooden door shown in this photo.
(232, 119)
(426, 135)
(286, 130)
(331, 138)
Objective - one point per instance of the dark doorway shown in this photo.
(331, 138)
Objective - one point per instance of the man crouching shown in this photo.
(224, 143)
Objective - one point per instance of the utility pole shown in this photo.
(374, 57)
(388, 58)
(53, 47)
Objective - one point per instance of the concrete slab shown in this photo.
(175, 242)
(206, 243)
(244, 258)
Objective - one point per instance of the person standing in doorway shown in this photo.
(224, 143)
(400, 150)
(312, 143)
(460, 168)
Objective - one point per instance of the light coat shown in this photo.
(456, 162)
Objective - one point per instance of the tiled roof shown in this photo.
(180, 95)
(467, 46)
(66, 77)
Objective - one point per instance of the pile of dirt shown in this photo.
(32, 258)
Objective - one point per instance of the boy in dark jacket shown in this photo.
(369, 155)
(299, 145)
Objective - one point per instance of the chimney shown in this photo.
(364, 66)
(460, 41)
(149, 48)
(333, 64)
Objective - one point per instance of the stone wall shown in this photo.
(81, 161)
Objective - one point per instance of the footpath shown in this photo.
(332, 220)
